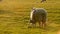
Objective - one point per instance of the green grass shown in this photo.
(15, 15)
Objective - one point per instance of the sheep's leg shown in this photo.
(44, 21)
(40, 24)
(43, 24)
(40, 21)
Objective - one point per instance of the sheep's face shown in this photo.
(32, 21)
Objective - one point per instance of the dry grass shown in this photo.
(14, 16)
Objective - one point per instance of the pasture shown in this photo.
(15, 14)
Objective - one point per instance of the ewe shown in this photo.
(38, 15)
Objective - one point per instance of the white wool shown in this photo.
(31, 15)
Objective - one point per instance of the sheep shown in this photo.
(43, 1)
(38, 15)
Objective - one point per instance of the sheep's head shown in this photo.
(32, 21)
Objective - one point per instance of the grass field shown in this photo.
(15, 14)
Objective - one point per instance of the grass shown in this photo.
(15, 14)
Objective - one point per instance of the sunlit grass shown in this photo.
(15, 14)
